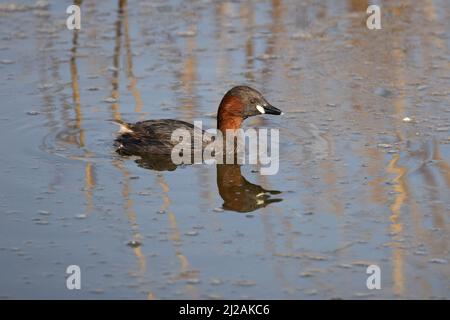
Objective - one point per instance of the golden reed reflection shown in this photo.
(47, 94)
(89, 186)
(222, 36)
(248, 21)
(400, 187)
(401, 194)
(129, 66)
(188, 72)
(400, 182)
(76, 89)
(401, 191)
(128, 203)
(116, 61)
(185, 271)
(89, 167)
(131, 214)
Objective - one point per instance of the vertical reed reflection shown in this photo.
(133, 81)
(188, 74)
(221, 10)
(89, 171)
(248, 21)
(116, 61)
(401, 189)
(48, 99)
(400, 181)
(76, 89)
(128, 202)
(186, 271)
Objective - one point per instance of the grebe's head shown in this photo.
(245, 102)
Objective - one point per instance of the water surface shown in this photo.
(357, 184)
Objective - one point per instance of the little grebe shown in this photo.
(154, 137)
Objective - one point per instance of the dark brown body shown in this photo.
(151, 137)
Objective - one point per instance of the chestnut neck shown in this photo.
(229, 116)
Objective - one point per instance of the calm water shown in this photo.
(357, 185)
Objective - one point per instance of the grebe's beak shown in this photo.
(269, 109)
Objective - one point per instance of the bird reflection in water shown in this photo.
(237, 193)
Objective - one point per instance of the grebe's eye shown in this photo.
(253, 101)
